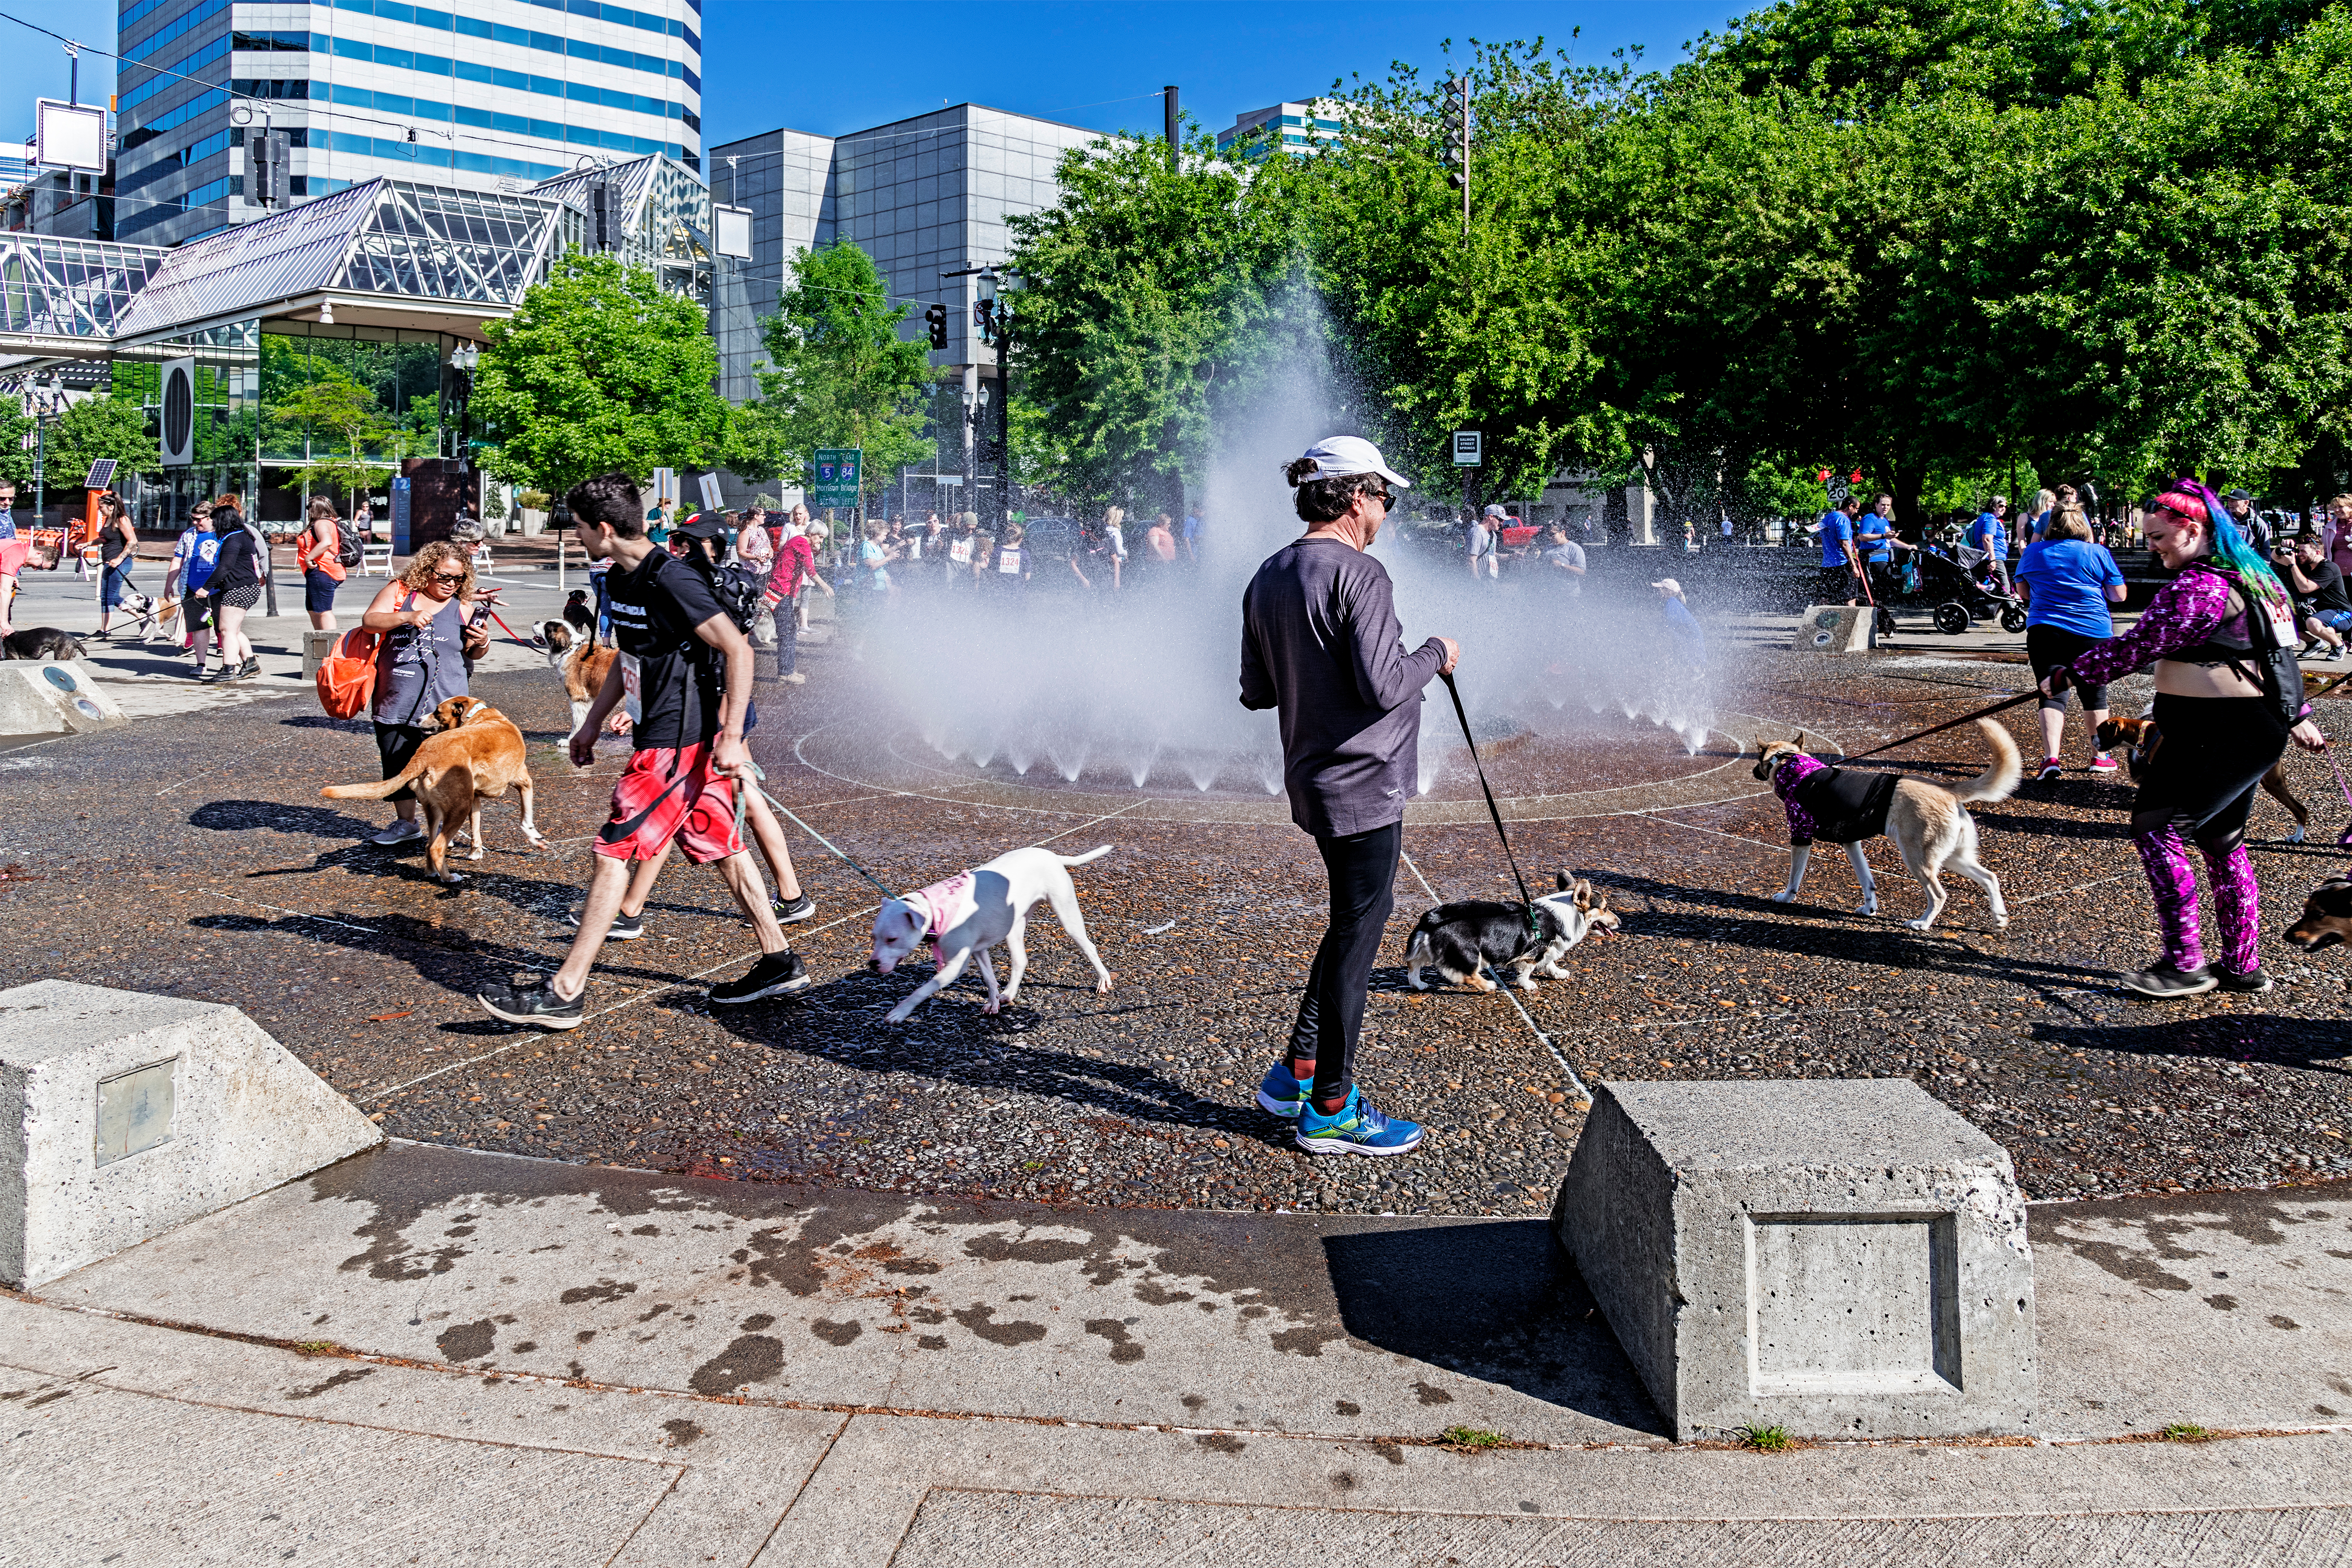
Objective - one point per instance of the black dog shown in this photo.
(1458, 940)
(581, 613)
(39, 642)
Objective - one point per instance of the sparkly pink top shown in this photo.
(1785, 780)
(2184, 613)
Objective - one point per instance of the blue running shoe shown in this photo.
(1280, 1093)
(1358, 1129)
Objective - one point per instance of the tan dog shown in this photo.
(1929, 824)
(582, 662)
(2141, 738)
(476, 754)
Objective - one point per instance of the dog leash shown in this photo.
(1535, 928)
(1938, 729)
(742, 803)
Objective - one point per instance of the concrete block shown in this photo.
(54, 698)
(1836, 629)
(316, 647)
(124, 1114)
(1842, 1258)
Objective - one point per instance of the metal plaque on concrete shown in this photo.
(134, 1110)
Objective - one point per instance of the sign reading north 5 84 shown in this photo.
(837, 474)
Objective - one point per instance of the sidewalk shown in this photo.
(435, 1356)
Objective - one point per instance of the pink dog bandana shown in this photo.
(936, 899)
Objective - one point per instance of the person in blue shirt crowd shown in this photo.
(1683, 636)
(2029, 528)
(1841, 566)
(2069, 582)
(1988, 535)
(1876, 542)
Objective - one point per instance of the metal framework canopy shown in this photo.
(388, 253)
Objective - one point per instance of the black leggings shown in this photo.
(1362, 868)
(2202, 779)
(2047, 647)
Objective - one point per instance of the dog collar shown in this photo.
(936, 899)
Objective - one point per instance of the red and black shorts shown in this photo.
(664, 795)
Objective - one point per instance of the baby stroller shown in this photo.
(1960, 596)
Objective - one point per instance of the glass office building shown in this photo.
(493, 95)
(1288, 128)
(922, 196)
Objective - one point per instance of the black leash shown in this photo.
(742, 803)
(1938, 729)
(1534, 927)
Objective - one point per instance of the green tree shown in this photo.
(98, 427)
(15, 451)
(342, 415)
(837, 374)
(598, 370)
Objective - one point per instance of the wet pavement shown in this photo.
(191, 854)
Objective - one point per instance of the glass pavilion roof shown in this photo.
(393, 239)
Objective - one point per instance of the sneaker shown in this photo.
(2103, 764)
(538, 1006)
(798, 910)
(2254, 981)
(2051, 769)
(774, 975)
(1282, 1094)
(795, 678)
(2164, 981)
(402, 830)
(1358, 1129)
(627, 926)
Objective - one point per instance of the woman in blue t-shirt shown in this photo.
(2069, 582)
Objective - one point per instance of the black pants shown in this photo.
(2047, 647)
(396, 744)
(1362, 870)
(2202, 780)
(788, 635)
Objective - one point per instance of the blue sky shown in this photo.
(832, 68)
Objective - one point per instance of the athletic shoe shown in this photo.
(798, 910)
(774, 975)
(2165, 983)
(2254, 981)
(1358, 1129)
(627, 926)
(404, 830)
(538, 1006)
(2051, 769)
(1282, 1094)
(2103, 764)
(795, 678)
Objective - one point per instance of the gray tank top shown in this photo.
(417, 668)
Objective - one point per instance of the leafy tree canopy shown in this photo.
(97, 428)
(599, 370)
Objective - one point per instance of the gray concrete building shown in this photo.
(922, 196)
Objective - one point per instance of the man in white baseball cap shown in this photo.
(1320, 643)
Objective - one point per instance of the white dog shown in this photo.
(973, 910)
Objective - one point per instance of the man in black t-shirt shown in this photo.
(2322, 610)
(692, 668)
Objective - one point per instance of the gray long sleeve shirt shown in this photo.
(1320, 642)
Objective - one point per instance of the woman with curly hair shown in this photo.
(2229, 697)
(422, 662)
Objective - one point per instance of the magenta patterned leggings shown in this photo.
(2237, 901)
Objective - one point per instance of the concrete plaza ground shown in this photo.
(988, 1285)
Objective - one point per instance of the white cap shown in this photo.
(1494, 511)
(1336, 456)
(1667, 584)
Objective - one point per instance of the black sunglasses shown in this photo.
(446, 577)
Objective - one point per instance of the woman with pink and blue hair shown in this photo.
(2229, 697)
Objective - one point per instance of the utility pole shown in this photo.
(1453, 117)
(1169, 94)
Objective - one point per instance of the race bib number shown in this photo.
(2283, 633)
(1009, 563)
(631, 694)
(960, 551)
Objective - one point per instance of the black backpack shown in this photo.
(350, 550)
(2277, 670)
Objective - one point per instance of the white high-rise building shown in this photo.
(495, 94)
(1289, 128)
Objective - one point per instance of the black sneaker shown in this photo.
(538, 1006)
(2166, 983)
(2254, 981)
(627, 926)
(773, 975)
(800, 909)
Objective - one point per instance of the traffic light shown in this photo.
(268, 162)
(936, 318)
(600, 209)
(1453, 120)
